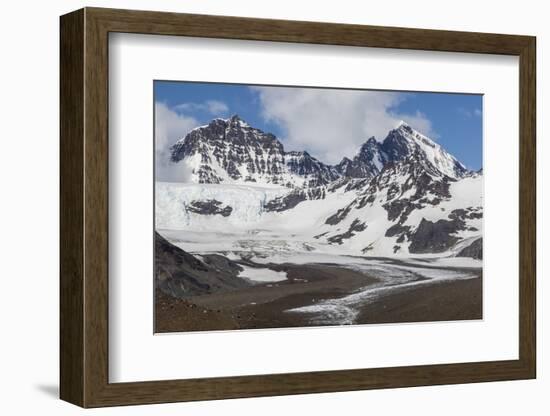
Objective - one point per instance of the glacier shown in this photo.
(384, 202)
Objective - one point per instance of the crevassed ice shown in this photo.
(172, 200)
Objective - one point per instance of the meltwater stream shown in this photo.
(393, 276)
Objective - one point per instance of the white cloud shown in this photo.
(469, 113)
(214, 107)
(169, 128)
(331, 124)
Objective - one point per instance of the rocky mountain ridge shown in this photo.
(403, 195)
(230, 150)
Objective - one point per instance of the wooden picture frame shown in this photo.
(84, 207)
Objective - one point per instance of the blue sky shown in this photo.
(328, 123)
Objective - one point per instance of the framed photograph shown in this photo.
(256, 207)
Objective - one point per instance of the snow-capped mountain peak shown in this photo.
(231, 151)
(403, 142)
(367, 163)
(235, 120)
(404, 195)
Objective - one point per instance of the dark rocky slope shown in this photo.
(180, 274)
(474, 250)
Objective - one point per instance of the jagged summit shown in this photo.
(371, 141)
(404, 194)
(236, 120)
(404, 142)
(230, 150)
(367, 163)
(402, 123)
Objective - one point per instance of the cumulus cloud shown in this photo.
(210, 106)
(331, 124)
(169, 128)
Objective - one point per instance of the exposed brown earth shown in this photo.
(178, 315)
(451, 300)
(266, 305)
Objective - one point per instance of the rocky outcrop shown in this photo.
(180, 274)
(209, 207)
(339, 215)
(293, 198)
(356, 226)
(434, 237)
(285, 202)
(368, 162)
(474, 250)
